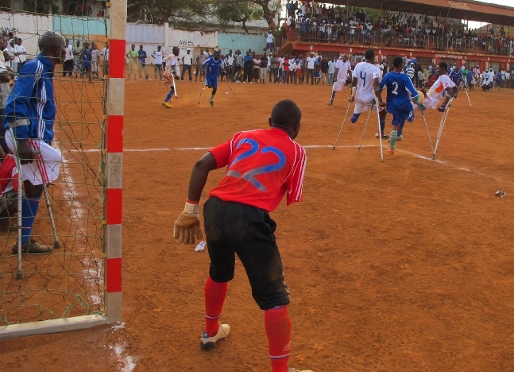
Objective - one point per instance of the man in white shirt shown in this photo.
(229, 65)
(158, 55)
(187, 64)
(10, 52)
(310, 68)
(331, 70)
(95, 60)
(343, 66)
(67, 67)
(22, 53)
(105, 59)
(490, 74)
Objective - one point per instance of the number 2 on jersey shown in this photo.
(395, 90)
(250, 174)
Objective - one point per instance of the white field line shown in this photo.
(445, 164)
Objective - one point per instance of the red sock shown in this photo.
(215, 294)
(278, 329)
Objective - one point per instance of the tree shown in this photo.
(224, 11)
(237, 12)
(160, 11)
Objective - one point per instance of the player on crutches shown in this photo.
(171, 70)
(341, 129)
(399, 104)
(365, 77)
(443, 87)
(441, 127)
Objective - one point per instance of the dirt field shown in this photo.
(401, 265)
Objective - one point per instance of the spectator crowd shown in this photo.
(336, 24)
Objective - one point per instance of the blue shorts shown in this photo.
(211, 82)
(400, 117)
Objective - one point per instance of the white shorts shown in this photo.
(46, 166)
(430, 103)
(338, 86)
(361, 106)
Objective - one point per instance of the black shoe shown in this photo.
(32, 247)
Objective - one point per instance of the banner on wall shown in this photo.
(192, 39)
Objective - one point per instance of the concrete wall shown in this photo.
(80, 27)
(243, 42)
(27, 27)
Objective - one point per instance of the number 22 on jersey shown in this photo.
(254, 150)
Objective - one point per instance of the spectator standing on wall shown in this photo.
(270, 42)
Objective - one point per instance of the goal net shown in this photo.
(66, 288)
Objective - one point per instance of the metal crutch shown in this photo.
(441, 127)
(340, 130)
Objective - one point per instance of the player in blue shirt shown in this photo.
(212, 67)
(456, 76)
(86, 62)
(30, 113)
(399, 86)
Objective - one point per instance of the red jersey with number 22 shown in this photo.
(262, 166)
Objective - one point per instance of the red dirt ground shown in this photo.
(401, 265)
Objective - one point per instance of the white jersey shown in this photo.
(437, 91)
(158, 55)
(342, 70)
(172, 63)
(365, 74)
(69, 53)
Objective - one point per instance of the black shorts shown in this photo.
(234, 228)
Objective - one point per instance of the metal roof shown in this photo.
(464, 9)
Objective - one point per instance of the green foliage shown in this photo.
(239, 12)
(160, 11)
(201, 11)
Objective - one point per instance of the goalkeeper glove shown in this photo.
(187, 226)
